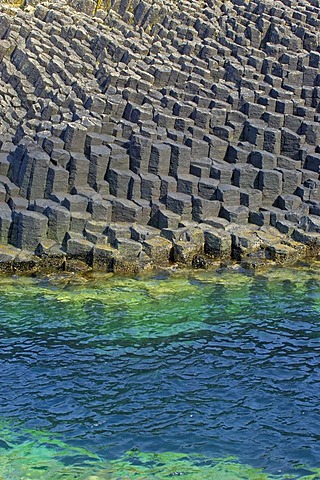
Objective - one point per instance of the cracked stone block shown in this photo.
(5, 222)
(263, 160)
(78, 221)
(99, 161)
(168, 185)
(57, 180)
(60, 157)
(179, 203)
(165, 219)
(259, 218)
(159, 162)
(217, 243)
(100, 210)
(128, 249)
(58, 222)
(252, 199)
(103, 257)
(134, 189)
(78, 168)
(244, 241)
(290, 144)
(207, 188)
(74, 138)
(288, 163)
(119, 181)
(253, 132)
(140, 233)
(270, 183)
(33, 174)
(150, 186)
(118, 230)
(272, 141)
(245, 176)
(217, 147)
(119, 161)
(235, 214)
(291, 180)
(75, 203)
(158, 249)
(187, 184)
(201, 168)
(199, 148)
(310, 223)
(79, 248)
(125, 211)
(221, 171)
(311, 132)
(276, 214)
(140, 151)
(18, 203)
(180, 160)
(28, 229)
(203, 208)
(228, 194)
(184, 252)
(285, 227)
(216, 222)
(236, 154)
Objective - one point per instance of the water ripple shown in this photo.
(217, 368)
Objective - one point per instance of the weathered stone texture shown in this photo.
(141, 118)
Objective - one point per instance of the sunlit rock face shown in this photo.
(164, 115)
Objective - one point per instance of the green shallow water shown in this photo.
(198, 375)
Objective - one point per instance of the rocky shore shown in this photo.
(151, 133)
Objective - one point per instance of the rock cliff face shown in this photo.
(161, 130)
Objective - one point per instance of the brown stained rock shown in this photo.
(268, 236)
(123, 266)
(217, 243)
(76, 266)
(26, 262)
(184, 252)
(79, 248)
(245, 241)
(281, 253)
(128, 249)
(7, 256)
(158, 250)
(103, 257)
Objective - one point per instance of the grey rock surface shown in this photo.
(127, 122)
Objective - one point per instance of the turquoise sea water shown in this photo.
(197, 375)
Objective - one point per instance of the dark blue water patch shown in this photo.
(217, 368)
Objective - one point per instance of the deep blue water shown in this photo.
(211, 364)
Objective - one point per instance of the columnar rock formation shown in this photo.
(157, 130)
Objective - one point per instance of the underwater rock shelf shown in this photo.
(164, 131)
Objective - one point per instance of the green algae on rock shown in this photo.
(37, 455)
(41, 456)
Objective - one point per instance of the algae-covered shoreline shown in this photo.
(241, 250)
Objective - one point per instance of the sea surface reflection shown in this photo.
(207, 364)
